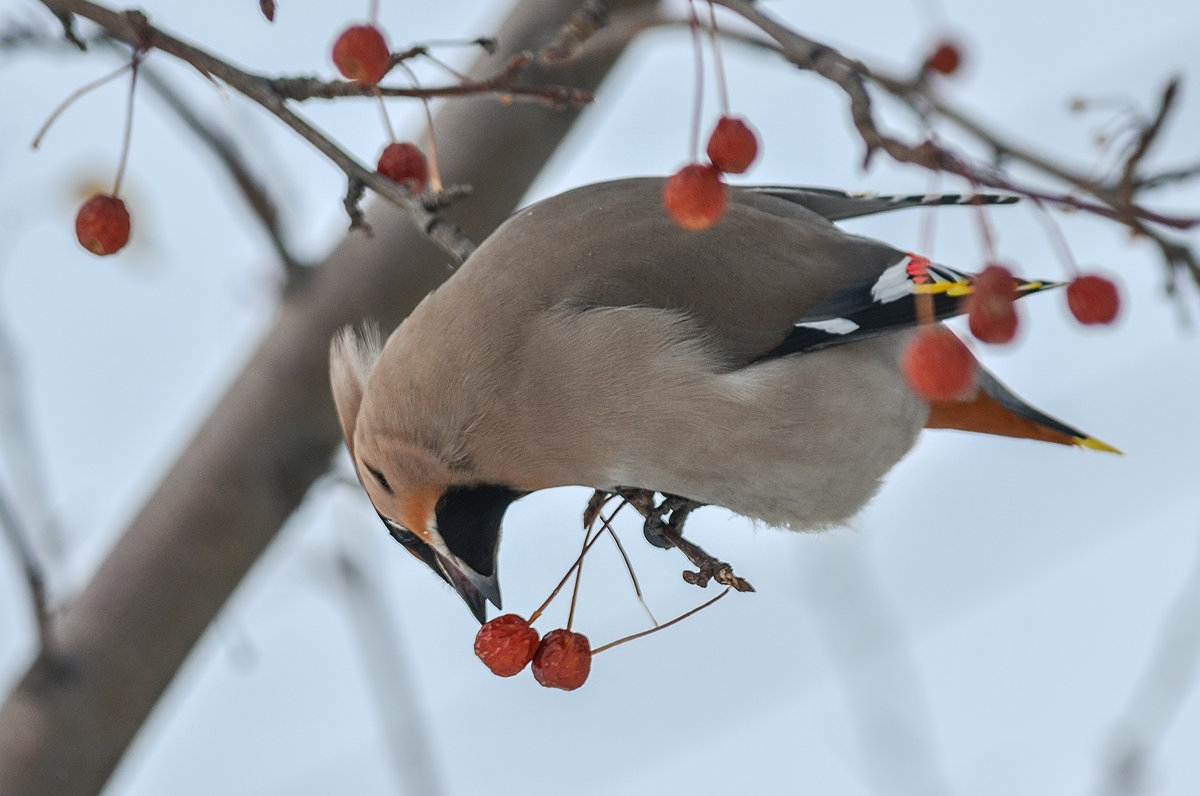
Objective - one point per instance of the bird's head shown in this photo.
(427, 495)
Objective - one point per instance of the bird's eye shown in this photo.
(378, 476)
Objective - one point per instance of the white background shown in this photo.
(983, 627)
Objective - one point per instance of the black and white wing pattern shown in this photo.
(889, 302)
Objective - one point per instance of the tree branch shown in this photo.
(1114, 202)
(134, 29)
(120, 642)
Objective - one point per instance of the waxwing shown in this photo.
(591, 341)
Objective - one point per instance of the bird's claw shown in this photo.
(667, 533)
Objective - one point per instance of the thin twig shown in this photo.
(853, 76)
(133, 28)
(637, 589)
(698, 95)
(583, 24)
(74, 95)
(1170, 177)
(663, 626)
(127, 136)
(578, 562)
(1127, 185)
(252, 190)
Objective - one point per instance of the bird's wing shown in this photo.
(889, 302)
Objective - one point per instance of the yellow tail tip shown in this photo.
(1094, 444)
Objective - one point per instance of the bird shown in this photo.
(591, 341)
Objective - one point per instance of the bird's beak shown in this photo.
(468, 527)
(473, 587)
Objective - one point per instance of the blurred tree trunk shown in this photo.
(118, 645)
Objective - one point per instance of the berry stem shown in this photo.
(637, 589)
(387, 122)
(929, 220)
(698, 98)
(563, 582)
(985, 228)
(1056, 236)
(373, 12)
(446, 67)
(575, 587)
(718, 64)
(663, 626)
(128, 135)
(76, 94)
(435, 174)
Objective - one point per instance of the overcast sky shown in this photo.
(982, 628)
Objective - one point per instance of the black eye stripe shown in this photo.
(378, 476)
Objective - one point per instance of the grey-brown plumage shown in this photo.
(591, 341)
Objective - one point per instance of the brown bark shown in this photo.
(117, 646)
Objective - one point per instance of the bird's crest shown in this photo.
(352, 354)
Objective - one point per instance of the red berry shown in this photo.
(938, 366)
(405, 164)
(506, 644)
(361, 53)
(990, 310)
(695, 197)
(102, 225)
(732, 146)
(1093, 299)
(945, 59)
(563, 660)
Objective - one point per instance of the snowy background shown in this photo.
(989, 625)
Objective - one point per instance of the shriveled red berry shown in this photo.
(506, 644)
(563, 660)
(405, 164)
(945, 58)
(695, 197)
(102, 225)
(990, 307)
(938, 366)
(361, 53)
(1093, 299)
(732, 146)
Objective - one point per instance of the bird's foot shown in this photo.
(667, 532)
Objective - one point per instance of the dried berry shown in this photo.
(506, 644)
(990, 307)
(361, 53)
(945, 59)
(563, 660)
(732, 146)
(102, 225)
(695, 197)
(1093, 299)
(405, 164)
(938, 366)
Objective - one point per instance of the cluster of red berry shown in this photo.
(696, 196)
(507, 644)
(940, 367)
(361, 54)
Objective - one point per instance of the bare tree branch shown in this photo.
(120, 642)
(239, 170)
(1114, 202)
